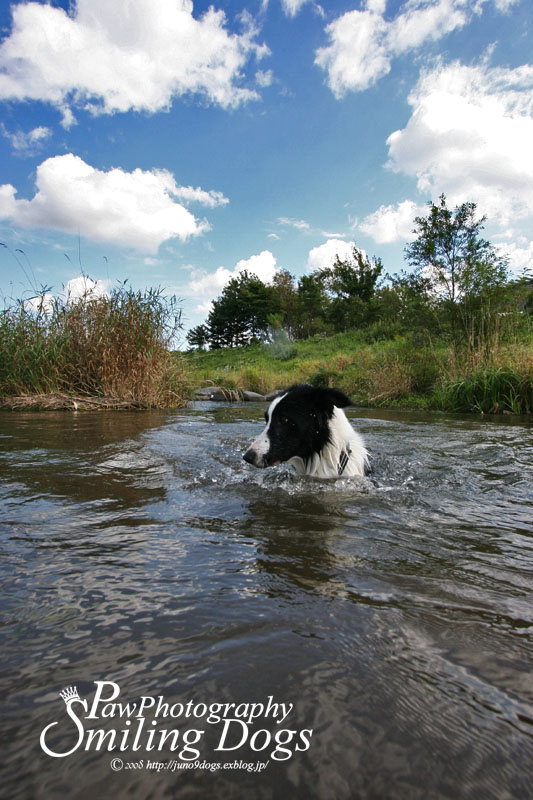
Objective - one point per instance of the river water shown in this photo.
(391, 615)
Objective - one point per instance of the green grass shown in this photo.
(400, 372)
(380, 374)
(493, 390)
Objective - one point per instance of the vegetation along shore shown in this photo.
(455, 333)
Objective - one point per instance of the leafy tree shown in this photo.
(241, 312)
(351, 285)
(312, 305)
(198, 336)
(464, 269)
(407, 302)
(284, 303)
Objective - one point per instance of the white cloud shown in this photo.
(41, 303)
(83, 288)
(357, 55)
(264, 78)
(26, 143)
(209, 199)
(123, 55)
(299, 224)
(391, 223)
(133, 209)
(209, 285)
(205, 308)
(293, 7)
(519, 258)
(324, 255)
(80, 288)
(263, 266)
(470, 136)
(363, 43)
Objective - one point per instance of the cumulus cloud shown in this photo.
(324, 255)
(41, 303)
(123, 55)
(357, 54)
(519, 256)
(363, 43)
(470, 136)
(80, 288)
(206, 286)
(136, 209)
(391, 223)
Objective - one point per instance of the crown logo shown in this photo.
(69, 694)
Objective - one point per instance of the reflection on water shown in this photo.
(393, 611)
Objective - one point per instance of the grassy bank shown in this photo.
(403, 372)
(114, 347)
(115, 352)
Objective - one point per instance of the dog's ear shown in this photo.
(339, 398)
(327, 398)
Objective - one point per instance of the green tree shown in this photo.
(351, 285)
(198, 336)
(464, 269)
(407, 302)
(312, 306)
(284, 311)
(241, 312)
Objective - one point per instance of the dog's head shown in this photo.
(297, 425)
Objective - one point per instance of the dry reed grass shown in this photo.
(116, 346)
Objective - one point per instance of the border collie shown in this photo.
(307, 428)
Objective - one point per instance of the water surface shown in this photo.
(394, 612)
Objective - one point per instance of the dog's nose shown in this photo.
(249, 456)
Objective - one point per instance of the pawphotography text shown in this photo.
(188, 730)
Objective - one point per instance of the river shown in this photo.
(386, 621)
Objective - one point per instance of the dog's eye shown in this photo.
(284, 421)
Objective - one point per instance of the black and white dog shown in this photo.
(307, 428)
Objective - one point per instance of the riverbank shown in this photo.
(58, 401)
(400, 373)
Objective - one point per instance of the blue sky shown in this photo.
(174, 144)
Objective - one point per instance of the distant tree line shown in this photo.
(458, 287)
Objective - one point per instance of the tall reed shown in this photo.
(490, 390)
(117, 345)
